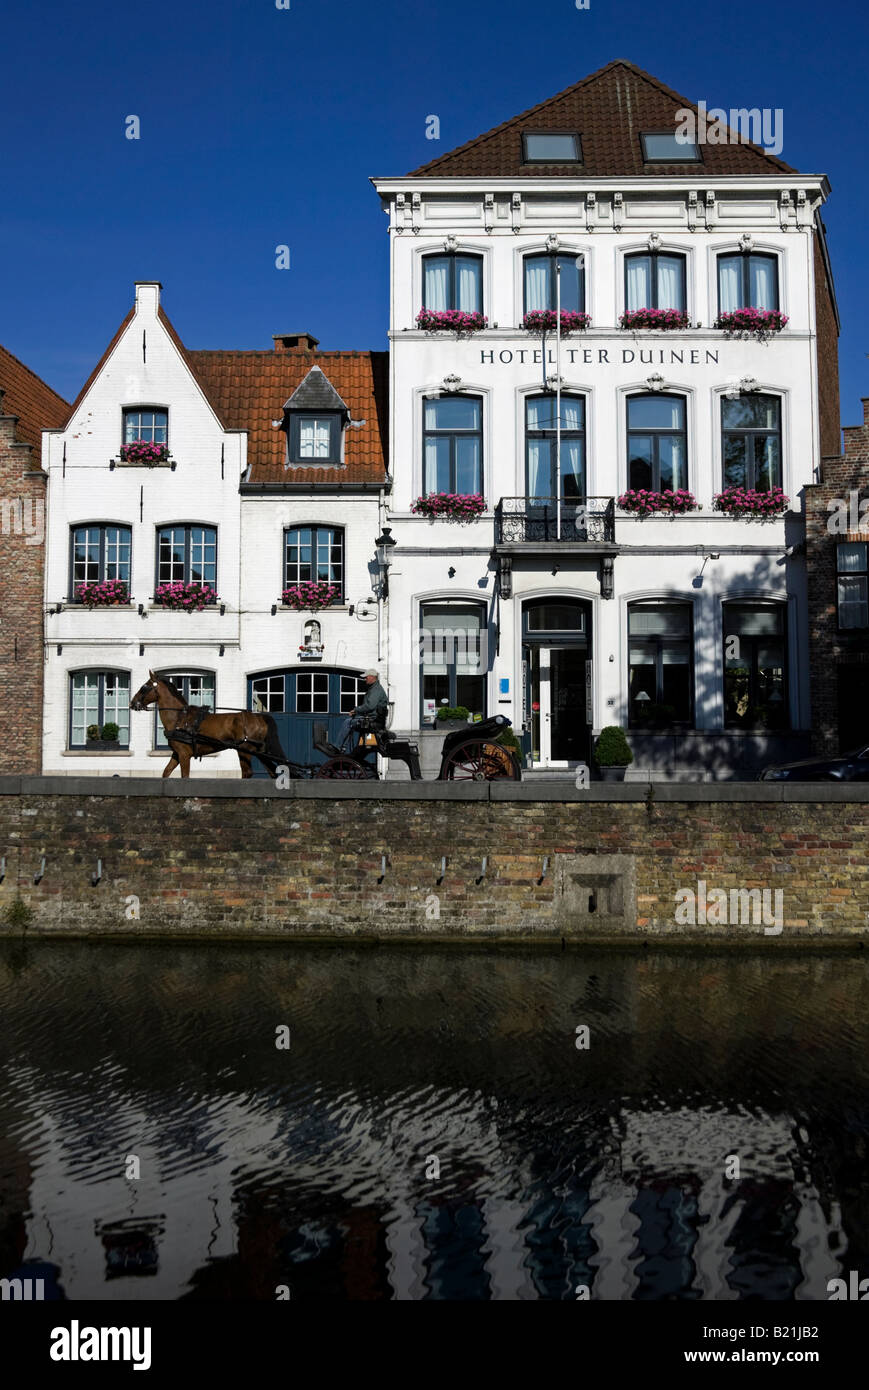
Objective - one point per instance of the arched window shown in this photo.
(751, 441)
(453, 280)
(543, 475)
(98, 698)
(315, 553)
(755, 688)
(661, 664)
(539, 276)
(657, 442)
(654, 280)
(99, 552)
(453, 658)
(453, 445)
(747, 280)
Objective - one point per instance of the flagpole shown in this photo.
(558, 398)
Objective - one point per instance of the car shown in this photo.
(846, 767)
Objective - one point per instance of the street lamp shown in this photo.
(384, 544)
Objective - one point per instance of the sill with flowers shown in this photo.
(546, 321)
(669, 502)
(141, 454)
(451, 321)
(450, 506)
(666, 319)
(751, 323)
(751, 504)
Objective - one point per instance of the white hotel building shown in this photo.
(586, 618)
(554, 607)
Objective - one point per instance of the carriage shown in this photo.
(470, 754)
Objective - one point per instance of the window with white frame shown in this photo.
(146, 426)
(852, 584)
(312, 692)
(97, 698)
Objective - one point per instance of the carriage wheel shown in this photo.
(344, 770)
(481, 762)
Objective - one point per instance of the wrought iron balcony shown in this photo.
(540, 521)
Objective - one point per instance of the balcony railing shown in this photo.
(538, 520)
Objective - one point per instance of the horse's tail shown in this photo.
(274, 753)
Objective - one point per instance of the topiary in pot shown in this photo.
(612, 753)
(93, 732)
(110, 733)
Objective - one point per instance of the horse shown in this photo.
(199, 733)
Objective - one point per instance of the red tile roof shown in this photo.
(249, 389)
(609, 108)
(26, 395)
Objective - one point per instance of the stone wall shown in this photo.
(499, 861)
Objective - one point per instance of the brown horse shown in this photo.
(203, 734)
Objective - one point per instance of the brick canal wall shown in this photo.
(532, 861)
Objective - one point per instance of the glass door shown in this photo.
(557, 700)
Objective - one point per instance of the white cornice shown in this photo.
(634, 183)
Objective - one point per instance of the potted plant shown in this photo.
(310, 596)
(546, 321)
(141, 451)
(450, 506)
(748, 502)
(612, 753)
(654, 319)
(452, 717)
(751, 323)
(103, 740)
(642, 502)
(451, 321)
(106, 593)
(188, 598)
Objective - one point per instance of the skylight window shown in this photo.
(666, 147)
(551, 147)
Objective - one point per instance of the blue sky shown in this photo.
(261, 127)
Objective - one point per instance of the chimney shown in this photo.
(290, 342)
(148, 296)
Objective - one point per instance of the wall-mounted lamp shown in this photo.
(385, 544)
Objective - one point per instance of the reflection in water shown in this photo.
(432, 1131)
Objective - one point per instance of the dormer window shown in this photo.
(314, 421)
(551, 147)
(667, 147)
(315, 439)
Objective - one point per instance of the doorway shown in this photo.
(557, 671)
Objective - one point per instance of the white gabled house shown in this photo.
(245, 474)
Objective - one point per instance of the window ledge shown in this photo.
(96, 753)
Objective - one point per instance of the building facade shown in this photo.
(27, 404)
(190, 494)
(555, 605)
(837, 550)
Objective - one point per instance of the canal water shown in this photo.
(436, 1126)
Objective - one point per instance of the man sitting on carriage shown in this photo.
(370, 716)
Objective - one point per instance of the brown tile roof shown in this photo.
(249, 389)
(26, 395)
(608, 109)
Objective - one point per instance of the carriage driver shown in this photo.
(371, 714)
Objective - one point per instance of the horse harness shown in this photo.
(191, 733)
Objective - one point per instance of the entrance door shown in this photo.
(559, 731)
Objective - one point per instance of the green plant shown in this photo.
(110, 732)
(509, 740)
(93, 730)
(454, 712)
(612, 749)
(18, 914)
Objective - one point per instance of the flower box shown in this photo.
(751, 323)
(107, 593)
(140, 451)
(311, 595)
(750, 503)
(450, 506)
(669, 503)
(451, 321)
(188, 598)
(654, 318)
(546, 321)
